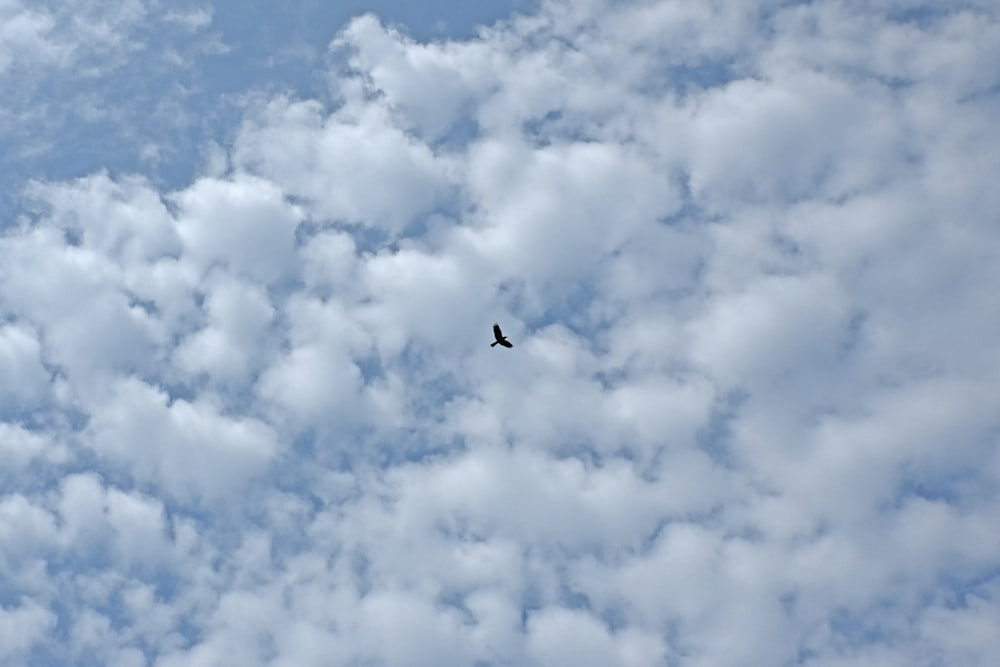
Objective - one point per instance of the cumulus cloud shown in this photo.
(750, 416)
(343, 164)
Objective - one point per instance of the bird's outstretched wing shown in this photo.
(496, 331)
(506, 343)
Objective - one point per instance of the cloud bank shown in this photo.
(745, 254)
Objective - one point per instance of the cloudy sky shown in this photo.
(748, 253)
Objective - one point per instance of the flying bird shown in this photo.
(500, 338)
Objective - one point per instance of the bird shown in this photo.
(500, 338)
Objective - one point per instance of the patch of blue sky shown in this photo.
(568, 304)
(857, 628)
(439, 19)
(715, 439)
(686, 78)
(927, 14)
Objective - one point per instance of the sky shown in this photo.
(746, 250)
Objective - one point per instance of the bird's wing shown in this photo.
(496, 331)
(506, 343)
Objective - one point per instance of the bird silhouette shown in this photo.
(500, 338)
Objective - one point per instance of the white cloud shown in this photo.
(50, 34)
(963, 630)
(750, 414)
(759, 336)
(26, 527)
(592, 643)
(355, 169)
(192, 19)
(124, 220)
(21, 627)
(244, 224)
(24, 376)
(20, 446)
(403, 71)
(231, 347)
(159, 439)
(25, 36)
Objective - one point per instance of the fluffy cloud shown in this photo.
(750, 415)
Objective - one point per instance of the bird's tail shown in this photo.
(494, 343)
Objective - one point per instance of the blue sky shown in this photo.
(249, 262)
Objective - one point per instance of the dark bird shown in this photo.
(500, 338)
